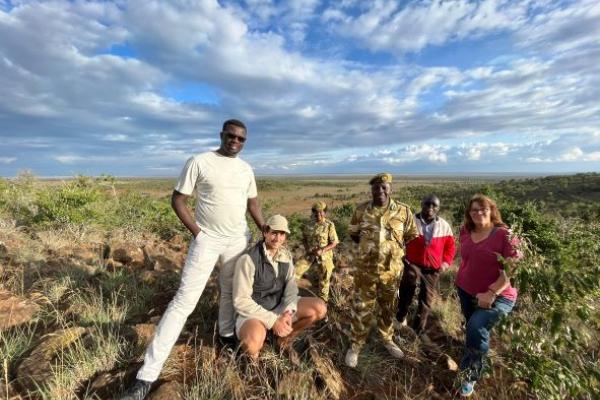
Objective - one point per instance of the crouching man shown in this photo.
(265, 295)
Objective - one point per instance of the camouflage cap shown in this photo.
(383, 177)
(319, 206)
(278, 223)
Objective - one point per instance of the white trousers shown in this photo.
(203, 254)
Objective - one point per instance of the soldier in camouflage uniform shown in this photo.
(381, 227)
(320, 238)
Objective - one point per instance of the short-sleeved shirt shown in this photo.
(321, 234)
(223, 186)
(479, 264)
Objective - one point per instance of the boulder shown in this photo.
(171, 390)
(126, 254)
(139, 335)
(37, 369)
(15, 310)
(162, 258)
(90, 254)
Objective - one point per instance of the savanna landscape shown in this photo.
(89, 264)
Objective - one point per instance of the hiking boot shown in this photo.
(351, 359)
(138, 391)
(467, 388)
(393, 349)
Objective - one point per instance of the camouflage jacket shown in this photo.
(382, 230)
(320, 234)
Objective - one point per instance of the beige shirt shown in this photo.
(243, 280)
(223, 186)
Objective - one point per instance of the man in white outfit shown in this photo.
(225, 189)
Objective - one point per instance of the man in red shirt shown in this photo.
(428, 254)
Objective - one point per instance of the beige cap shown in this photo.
(278, 223)
(319, 206)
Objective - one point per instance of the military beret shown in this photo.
(384, 177)
(319, 206)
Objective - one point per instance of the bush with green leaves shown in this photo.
(554, 332)
(341, 216)
(74, 202)
(18, 198)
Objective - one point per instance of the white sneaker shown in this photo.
(351, 359)
(394, 350)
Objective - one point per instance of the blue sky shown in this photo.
(133, 88)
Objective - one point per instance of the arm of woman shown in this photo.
(509, 255)
(487, 298)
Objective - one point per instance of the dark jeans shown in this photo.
(427, 279)
(480, 322)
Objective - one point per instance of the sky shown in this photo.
(134, 88)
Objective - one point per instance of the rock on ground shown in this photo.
(167, 391)
(15, 310)
(37, 368)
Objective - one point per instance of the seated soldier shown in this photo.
(265, 295)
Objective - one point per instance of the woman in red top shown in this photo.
(483, 286)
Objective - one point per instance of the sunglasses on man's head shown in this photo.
(232, 136)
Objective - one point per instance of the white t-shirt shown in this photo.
(223, 187)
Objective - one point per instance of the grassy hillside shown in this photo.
(88, 266)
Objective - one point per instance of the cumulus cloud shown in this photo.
(85, 79)
(409, 27)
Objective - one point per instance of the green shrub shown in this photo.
(17, 198)
(341, 216)
(72, 203)
(297, 222)
(552, 333)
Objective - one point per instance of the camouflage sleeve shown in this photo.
(354, 226)
(333, 237)
(410, 231)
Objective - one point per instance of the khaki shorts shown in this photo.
(239, 320)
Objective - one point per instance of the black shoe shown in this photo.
(228, 342)
(138, 391)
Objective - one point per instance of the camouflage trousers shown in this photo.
(375, 299)
(323, 269)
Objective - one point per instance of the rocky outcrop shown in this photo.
(15, 310)
(37, 369)
(126, 254)
(167, 391)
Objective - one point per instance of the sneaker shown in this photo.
(393, 349)
(351, 359)
(467, 388)
(138, 391)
